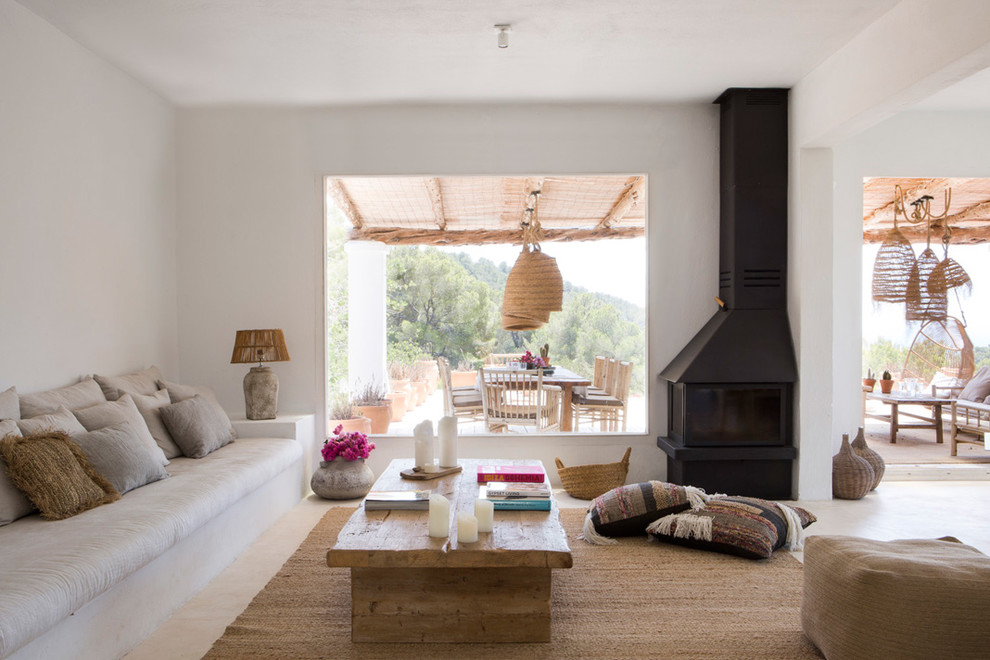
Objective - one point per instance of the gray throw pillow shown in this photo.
(123, 409)
(82, 394)
(60, 420)
(177, 393)
(13, 503)
(114, 454)
(149, 406)
(197, 426)
(978, 387)
(141, 382)
(10, 406)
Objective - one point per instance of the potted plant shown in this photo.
(398, 373)
(870, 379)
(398, 402)
(886, 383)
(419, 382)
(342, 474)
(343, 414)
(466, 375)
(371, 400)
(532, 361)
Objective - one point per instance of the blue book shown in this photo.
(523, 504)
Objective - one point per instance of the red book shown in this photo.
(533, 473)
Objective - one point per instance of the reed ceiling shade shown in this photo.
(969, 215)
(533, 289)
(923, 304)
(892, 268)
(259, 346)
(478, 210)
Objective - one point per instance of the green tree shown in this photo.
(883, 355)
(336, 291)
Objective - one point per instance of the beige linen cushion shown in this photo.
(141, 382)
(910, 600)
(197, 426)
(10, 406)
(149, 407)
(60, 420)
(84, 393)
(114, 454)
(13, 503)
(978, 387)
(123, 409)
(178, 393)
(55, 474)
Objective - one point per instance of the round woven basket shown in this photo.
(586, 482)
(861, 449)
(852, 476)
(533, 289)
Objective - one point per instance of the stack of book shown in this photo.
(397, 499)
(511, 473)
(517, 496)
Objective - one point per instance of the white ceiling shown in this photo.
(198, 52)
(971, 93)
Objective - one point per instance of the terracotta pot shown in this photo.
(362, 424)
(463, 378)
(413, 399)
(886, 386)
(431, 371)
(341, 479)
(398, 401)
(869, 382)
(380, 416)
(401, 385)
(423, 387)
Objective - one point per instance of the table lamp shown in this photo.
(260, 384)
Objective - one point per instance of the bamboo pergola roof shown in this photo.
(475, 210)
(969, 209)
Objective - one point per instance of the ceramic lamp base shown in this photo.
(260, 393)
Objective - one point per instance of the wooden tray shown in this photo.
(415, 474)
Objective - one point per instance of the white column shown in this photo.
(366, 292)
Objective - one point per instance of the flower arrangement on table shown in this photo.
(533, 361)
(349, 446)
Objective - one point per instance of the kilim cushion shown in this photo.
(627, 510)
(911, 600)
(744, 526)
(55, 474)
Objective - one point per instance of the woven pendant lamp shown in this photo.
(922, 304)
(892, 268)
(948, 274)
(533, 289)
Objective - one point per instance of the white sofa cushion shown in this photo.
(84, 393)
(150, 408)
(72, 561)
(59, 420)
(13, 503)
(110, 413)
(10, 405)
(141, 382)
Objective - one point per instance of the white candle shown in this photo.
(484, 511)
(439, 516)
(467, 528)
(447, 432)
(423, 443)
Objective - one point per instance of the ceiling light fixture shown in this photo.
(503, 35)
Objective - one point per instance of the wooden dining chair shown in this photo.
(608, 409)
(519, 398)
(501, 359)
(464, 403)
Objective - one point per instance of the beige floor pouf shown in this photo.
(911, 599)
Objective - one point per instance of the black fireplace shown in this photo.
(730, 390)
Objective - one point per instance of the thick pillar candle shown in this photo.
(423, 444)
(467, 528)
(439, 516)
(447, 432)
(484, 511)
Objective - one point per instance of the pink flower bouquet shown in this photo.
(351, 446)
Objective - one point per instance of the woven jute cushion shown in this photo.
(55, 474)
(908, 599)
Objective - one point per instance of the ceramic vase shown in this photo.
(341, 479)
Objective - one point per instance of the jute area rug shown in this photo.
(633, 600)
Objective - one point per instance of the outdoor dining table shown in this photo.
(566, 380)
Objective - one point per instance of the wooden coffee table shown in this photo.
(895, 401)
(408, 587)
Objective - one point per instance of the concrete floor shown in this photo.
(897, 509)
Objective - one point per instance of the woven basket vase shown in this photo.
(852, 476)
(586, 482)
(861, 449)
(533, 289)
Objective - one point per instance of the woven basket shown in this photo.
(586, 482)
(861, 449)
(852, 476)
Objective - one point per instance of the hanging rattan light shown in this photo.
(535, 286)
(923, 305)
(892, 268)
(948, 274)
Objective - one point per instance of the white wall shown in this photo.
(912, 144)
(250, 220)
(87, 208)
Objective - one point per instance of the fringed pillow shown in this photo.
(627, 510)
(744, 526)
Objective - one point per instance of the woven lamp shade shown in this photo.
(922, 304)
(533, 289)
(892, 268)
(948, 274)
(259, 346)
